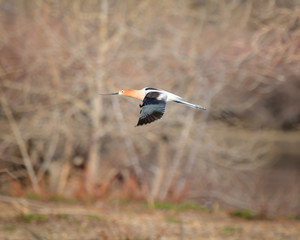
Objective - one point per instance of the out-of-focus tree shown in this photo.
(238, 58)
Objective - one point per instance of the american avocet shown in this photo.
(154, 102)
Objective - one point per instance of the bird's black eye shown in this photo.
(122, 91)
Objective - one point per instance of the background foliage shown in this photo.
(240, 59)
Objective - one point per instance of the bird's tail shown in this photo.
(190, 104)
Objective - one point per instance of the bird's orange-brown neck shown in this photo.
(139, 94)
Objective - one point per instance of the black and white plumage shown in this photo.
(154, 102)
(153, 107)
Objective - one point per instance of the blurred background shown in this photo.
(240, 59)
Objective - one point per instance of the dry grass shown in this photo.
(133, 221)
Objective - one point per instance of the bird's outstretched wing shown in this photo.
(153, 107)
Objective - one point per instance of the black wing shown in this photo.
(153, 108)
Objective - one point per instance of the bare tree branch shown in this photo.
(22, 146)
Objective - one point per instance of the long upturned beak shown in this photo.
(109, 93)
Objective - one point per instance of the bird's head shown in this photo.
(139, 94)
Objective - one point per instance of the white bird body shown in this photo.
(154, 102)
(170, 96)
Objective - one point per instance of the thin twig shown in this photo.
(193, 153)
(5, 170)
(128, 142)
(26, 206)
(182, 230)
(20, 141)
(178, 155)
(34, 234)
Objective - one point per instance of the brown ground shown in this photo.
(132, 222)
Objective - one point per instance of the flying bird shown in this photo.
(154, 102)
